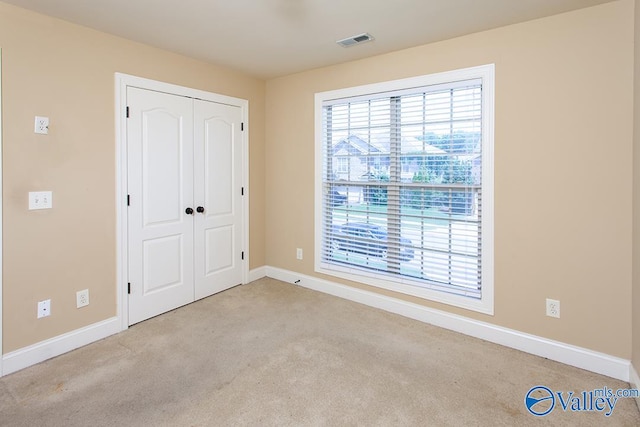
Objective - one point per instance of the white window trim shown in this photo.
(485, 72)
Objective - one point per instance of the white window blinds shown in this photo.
(401, 187)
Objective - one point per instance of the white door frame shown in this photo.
(122, 257)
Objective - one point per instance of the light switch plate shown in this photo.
(40, 200)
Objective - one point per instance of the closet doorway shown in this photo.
(185, 208)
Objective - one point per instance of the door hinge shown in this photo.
(128, 200)
(243, 255)
(129, 288)
(127, 112)
(241, 126)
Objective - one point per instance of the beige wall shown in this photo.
(66, 72)
(636, 199)
(564, 131)
(563, 167)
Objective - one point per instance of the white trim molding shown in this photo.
(44, 350)
(257, 273)
(579, 357)
(590, 360)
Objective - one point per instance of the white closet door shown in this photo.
(160, 186)
(217, 192)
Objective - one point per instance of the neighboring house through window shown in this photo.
(404, 186)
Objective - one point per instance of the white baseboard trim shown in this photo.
(39, 352)
(257, 273)
(565, 353)
(579, 357)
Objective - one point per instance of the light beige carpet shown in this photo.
(270, 353)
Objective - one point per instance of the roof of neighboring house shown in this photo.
(353, 144)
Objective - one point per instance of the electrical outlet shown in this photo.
(44, 308)
(553, 308)
(82, 298)
(40, 200)
(42, 125)
(299, 253)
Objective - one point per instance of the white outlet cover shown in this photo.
(82, 298)
(40, 200)
(42, 125)
(44, 308)
(553, 308)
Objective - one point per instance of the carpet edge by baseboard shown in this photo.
(568, 354)
(590, 360)
(47, 349)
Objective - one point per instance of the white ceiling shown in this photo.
(269, 38)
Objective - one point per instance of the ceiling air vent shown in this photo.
(353, 40)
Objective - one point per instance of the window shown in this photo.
(404, 186)
(342, 165)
